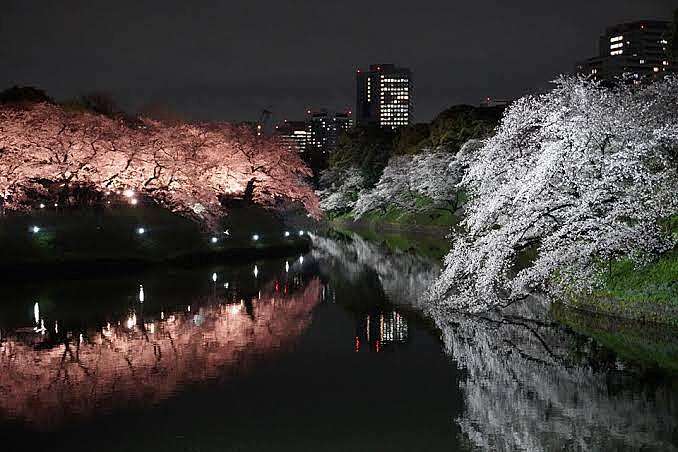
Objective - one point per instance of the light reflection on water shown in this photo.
(145, 357)
(530, 383)
(319, 342)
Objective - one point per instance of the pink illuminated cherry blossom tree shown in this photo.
(190, 168)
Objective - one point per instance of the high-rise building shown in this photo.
(326, 128)
(384, 96)
(318, 134)
(296, 135)
(638, 49)
(342, 123)
(321, 129)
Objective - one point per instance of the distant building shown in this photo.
(321, 130)
(296, 135)
(384, 96)
(341, 122)
(319, 133)
(639, 49)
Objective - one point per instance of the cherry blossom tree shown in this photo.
(578, 175)
(189, 168)
(342, 191)
(433, 174)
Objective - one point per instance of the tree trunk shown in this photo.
(249, 190)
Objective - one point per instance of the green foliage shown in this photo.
(670, 225)
(412, 139)
(428, 215)
(367, 148)
(656, 283)
(456, 125)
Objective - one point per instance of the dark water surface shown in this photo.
(333, 350)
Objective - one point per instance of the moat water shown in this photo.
(334, 350)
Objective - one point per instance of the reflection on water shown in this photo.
(144, 357)
(530, 384)
(316, 341)
(375, 332)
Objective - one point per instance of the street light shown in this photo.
(255, 237)
(141, 231)
(287, 233)
(35, 229)
(214, 240)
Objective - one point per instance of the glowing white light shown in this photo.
(301, 259)
(287, 233)
(225, 285)
(128, 193)
(35, 229)
(214, 277)
(141, 293)
(36, 312)
(141, 231)
(131, 321)
(162, 315)
(56, 327)
(255, 237)
(56, 204)
(133, 201)
(42, 206)
(226, 232)
(256, 271)
(214, 239)
(301, 232)
(189, 308)
(287, 266)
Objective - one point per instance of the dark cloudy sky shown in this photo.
(229, 59)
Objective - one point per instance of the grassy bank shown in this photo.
(431, 244)
(142, 234)
(652, 348)
(425, 216)
(648, 293)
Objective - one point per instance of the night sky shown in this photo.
(227, 60)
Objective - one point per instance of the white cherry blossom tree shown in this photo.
(577, 176)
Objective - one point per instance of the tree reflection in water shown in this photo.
(530, 383)
(44, 381)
